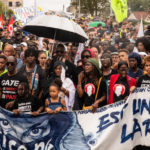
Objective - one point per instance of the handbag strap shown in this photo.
(33, 78)
(99, 82)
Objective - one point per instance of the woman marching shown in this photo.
(91, 89)
(121, 84)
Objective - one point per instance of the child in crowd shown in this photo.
(54, 103)
(25, 103)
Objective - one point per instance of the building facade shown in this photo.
(12, 4)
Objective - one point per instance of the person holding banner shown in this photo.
(67, 91)
(144, 81)
(34, 73)
(91, 88)
(86, 54)
(54, 103)
(25, 102)
(9, 83)
(121, 84)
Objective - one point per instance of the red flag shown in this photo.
(1, 21)
(10, 27)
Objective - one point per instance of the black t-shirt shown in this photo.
(9, 85)
(90, 91)
(107, 77)
(120, 90)
(71, 71)
(27, 105)
(39, 81)
(47, 84)
(144, 81)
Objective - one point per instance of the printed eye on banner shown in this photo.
(46, 132)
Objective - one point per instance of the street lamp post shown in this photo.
(5, 7)
(111, 12)
(35, 8)
(79, 8)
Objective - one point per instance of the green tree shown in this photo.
(2, 7)
(94, 7)
(9, 12)
(139, 5)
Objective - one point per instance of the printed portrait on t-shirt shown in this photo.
(119, 89)
(89, 89)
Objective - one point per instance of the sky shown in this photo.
(48, 4)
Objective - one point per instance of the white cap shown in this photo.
(24, 44)
(142, 53)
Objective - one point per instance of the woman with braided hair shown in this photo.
(91, 87)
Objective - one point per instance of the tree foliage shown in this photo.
(94, 7)
(2, 7)
(139, 5)
(9, 13)
(102, 7)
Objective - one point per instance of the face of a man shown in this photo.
(5, 34)
(11, 64)
(59, 51)
(74, 50)
(123, 56)
(8, 50)
(115, 59)
(106, 62)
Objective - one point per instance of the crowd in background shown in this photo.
(35, 78)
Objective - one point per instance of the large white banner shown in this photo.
(26, 14)
(120, 126)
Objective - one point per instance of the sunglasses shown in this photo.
(10, 63)
(85, 56)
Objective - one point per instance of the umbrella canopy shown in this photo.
(58, 28)
(95, 24)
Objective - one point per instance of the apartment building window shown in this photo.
(10, 4)
(18, 4)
